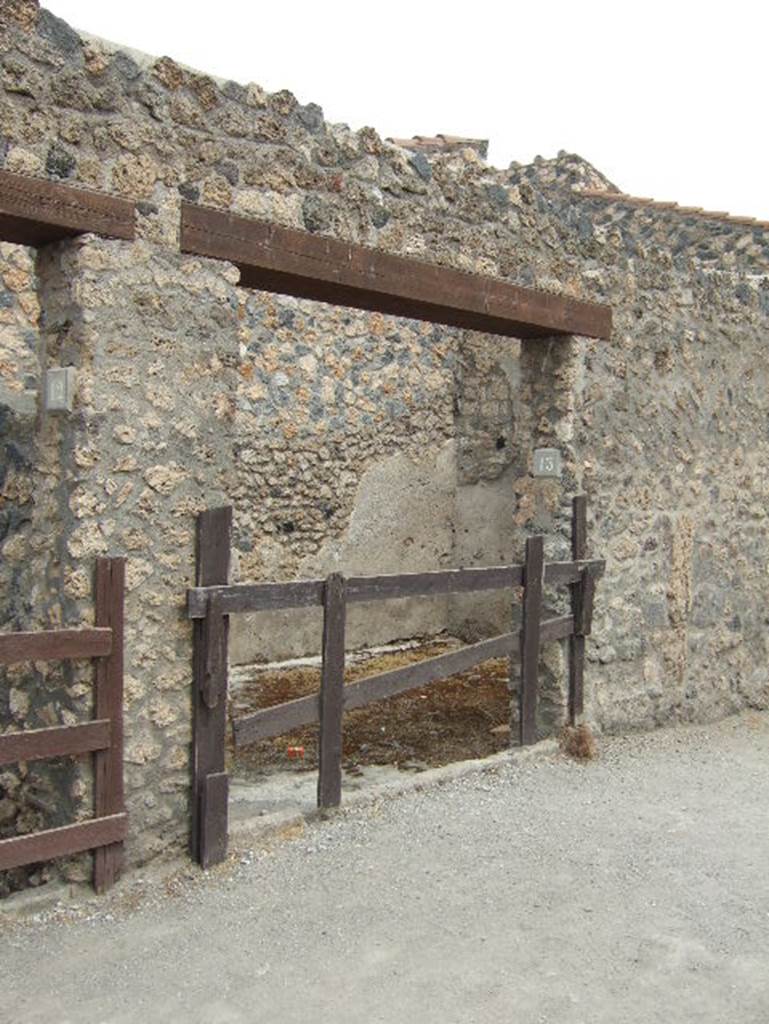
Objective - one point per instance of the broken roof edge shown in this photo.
(646, 203)
(566, 170)
(439, 144)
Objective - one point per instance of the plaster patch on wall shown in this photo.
(401, 521)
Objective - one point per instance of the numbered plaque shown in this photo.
(547, 462)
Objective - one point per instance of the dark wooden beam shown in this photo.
(61, 842)
(108, 783)
(34, 211)
(308, 266)
(209, 668)
(59, 741)
(254, 597)
(331, 699)
(54, 644)
(577, 642)
(531, 639)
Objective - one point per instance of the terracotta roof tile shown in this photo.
(654, 204)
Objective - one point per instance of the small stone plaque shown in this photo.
(547, 462)
(60, 389)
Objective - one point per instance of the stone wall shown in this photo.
(33, 533)
(344, 448)
(19, 386)
(355, 441)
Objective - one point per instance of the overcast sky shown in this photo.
(667, 99)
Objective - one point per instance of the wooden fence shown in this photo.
(103, 736)
(212, 601)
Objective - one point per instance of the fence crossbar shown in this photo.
(213, 600)
(96, 833)
(294, 714)
(53, 644)
(59, 741)
(102, 736)
(254, 597)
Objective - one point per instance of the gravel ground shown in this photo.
(634, 888)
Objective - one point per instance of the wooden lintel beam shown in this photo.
(305, 265)
(35, 212)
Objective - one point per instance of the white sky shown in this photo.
(667, 99)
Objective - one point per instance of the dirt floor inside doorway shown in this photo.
(467, 716)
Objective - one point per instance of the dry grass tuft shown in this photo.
(578, 742)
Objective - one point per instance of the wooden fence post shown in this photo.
(210, 783)
(577, 641)
(332, 693)
(533, 579)
(109, 796)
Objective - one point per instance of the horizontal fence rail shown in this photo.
(260, 597)
(60, 741)
(102, 737)
(213, 600)
(62, 842)
(53, 644)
